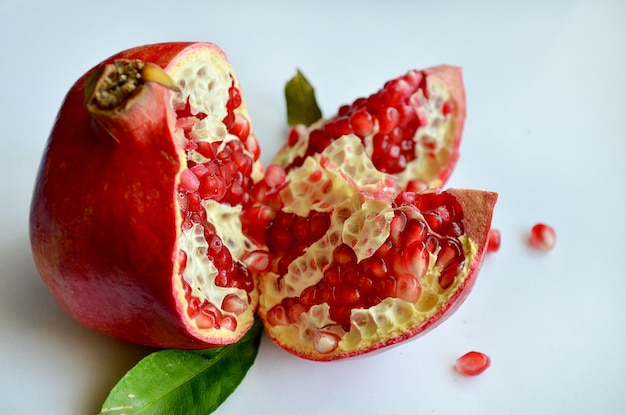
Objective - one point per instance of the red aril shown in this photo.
(411, 128)
(493, 241)
(135, 219)
(542, 237)
(357, 266)
(472, 363)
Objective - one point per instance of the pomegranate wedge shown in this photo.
(135, 219)
(357, 267)
(410, 128)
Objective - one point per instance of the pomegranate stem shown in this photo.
(110, 87)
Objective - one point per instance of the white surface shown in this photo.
(546, 129)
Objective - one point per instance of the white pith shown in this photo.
(363, 223)
(204, 77)
(436, 130)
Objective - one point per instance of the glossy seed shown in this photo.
(472, 363)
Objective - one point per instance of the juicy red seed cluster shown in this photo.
(225, 178)
(288, 235)
(266, 191)
(393, 270)
(231, 273)
(392, 110)
(442, 211)
(207, 315)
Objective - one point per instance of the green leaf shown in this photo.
(302, 106)
(184, 381)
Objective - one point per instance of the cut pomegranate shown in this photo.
(472, 363)
(355, 266)
(542, 237)
(411, 128)
(170, 235)
(147, 244)
(493, 242)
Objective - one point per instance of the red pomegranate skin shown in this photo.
(104, 217)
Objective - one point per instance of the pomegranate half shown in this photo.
(134, 222)
(410, 128)
(357, 266)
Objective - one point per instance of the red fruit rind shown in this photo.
(362, 219)
(109, 230)
(429, 113)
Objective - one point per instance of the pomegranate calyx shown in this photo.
(111, 87)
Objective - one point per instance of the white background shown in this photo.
(546, 129)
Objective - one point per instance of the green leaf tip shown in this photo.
(302, 105)
(190, 382)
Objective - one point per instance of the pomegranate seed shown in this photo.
(375, 267)
(398, 223)
(209, 317)
(274, 176)
(450, 251)
(415, 231)
(416, 259)
(193, 307)
(325, 342)
(229, 323)
(362, 123)
(448, 108)
(493, 241)
(407, 288)
(257, 261)
(308, 296)
(188, 181)
(295, 311)
(277, 316)
(293, 137)
(241, 127)
(233, 304)
(542, 237)
(472, 363)
(348, 295)
(234, 98)
(343, 254)
(388, 120)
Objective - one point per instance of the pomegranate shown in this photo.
(357, 266)
(135, 218)
(411, 128)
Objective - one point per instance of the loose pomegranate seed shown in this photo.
(493, 240)
(472, 363)
(542, 237)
